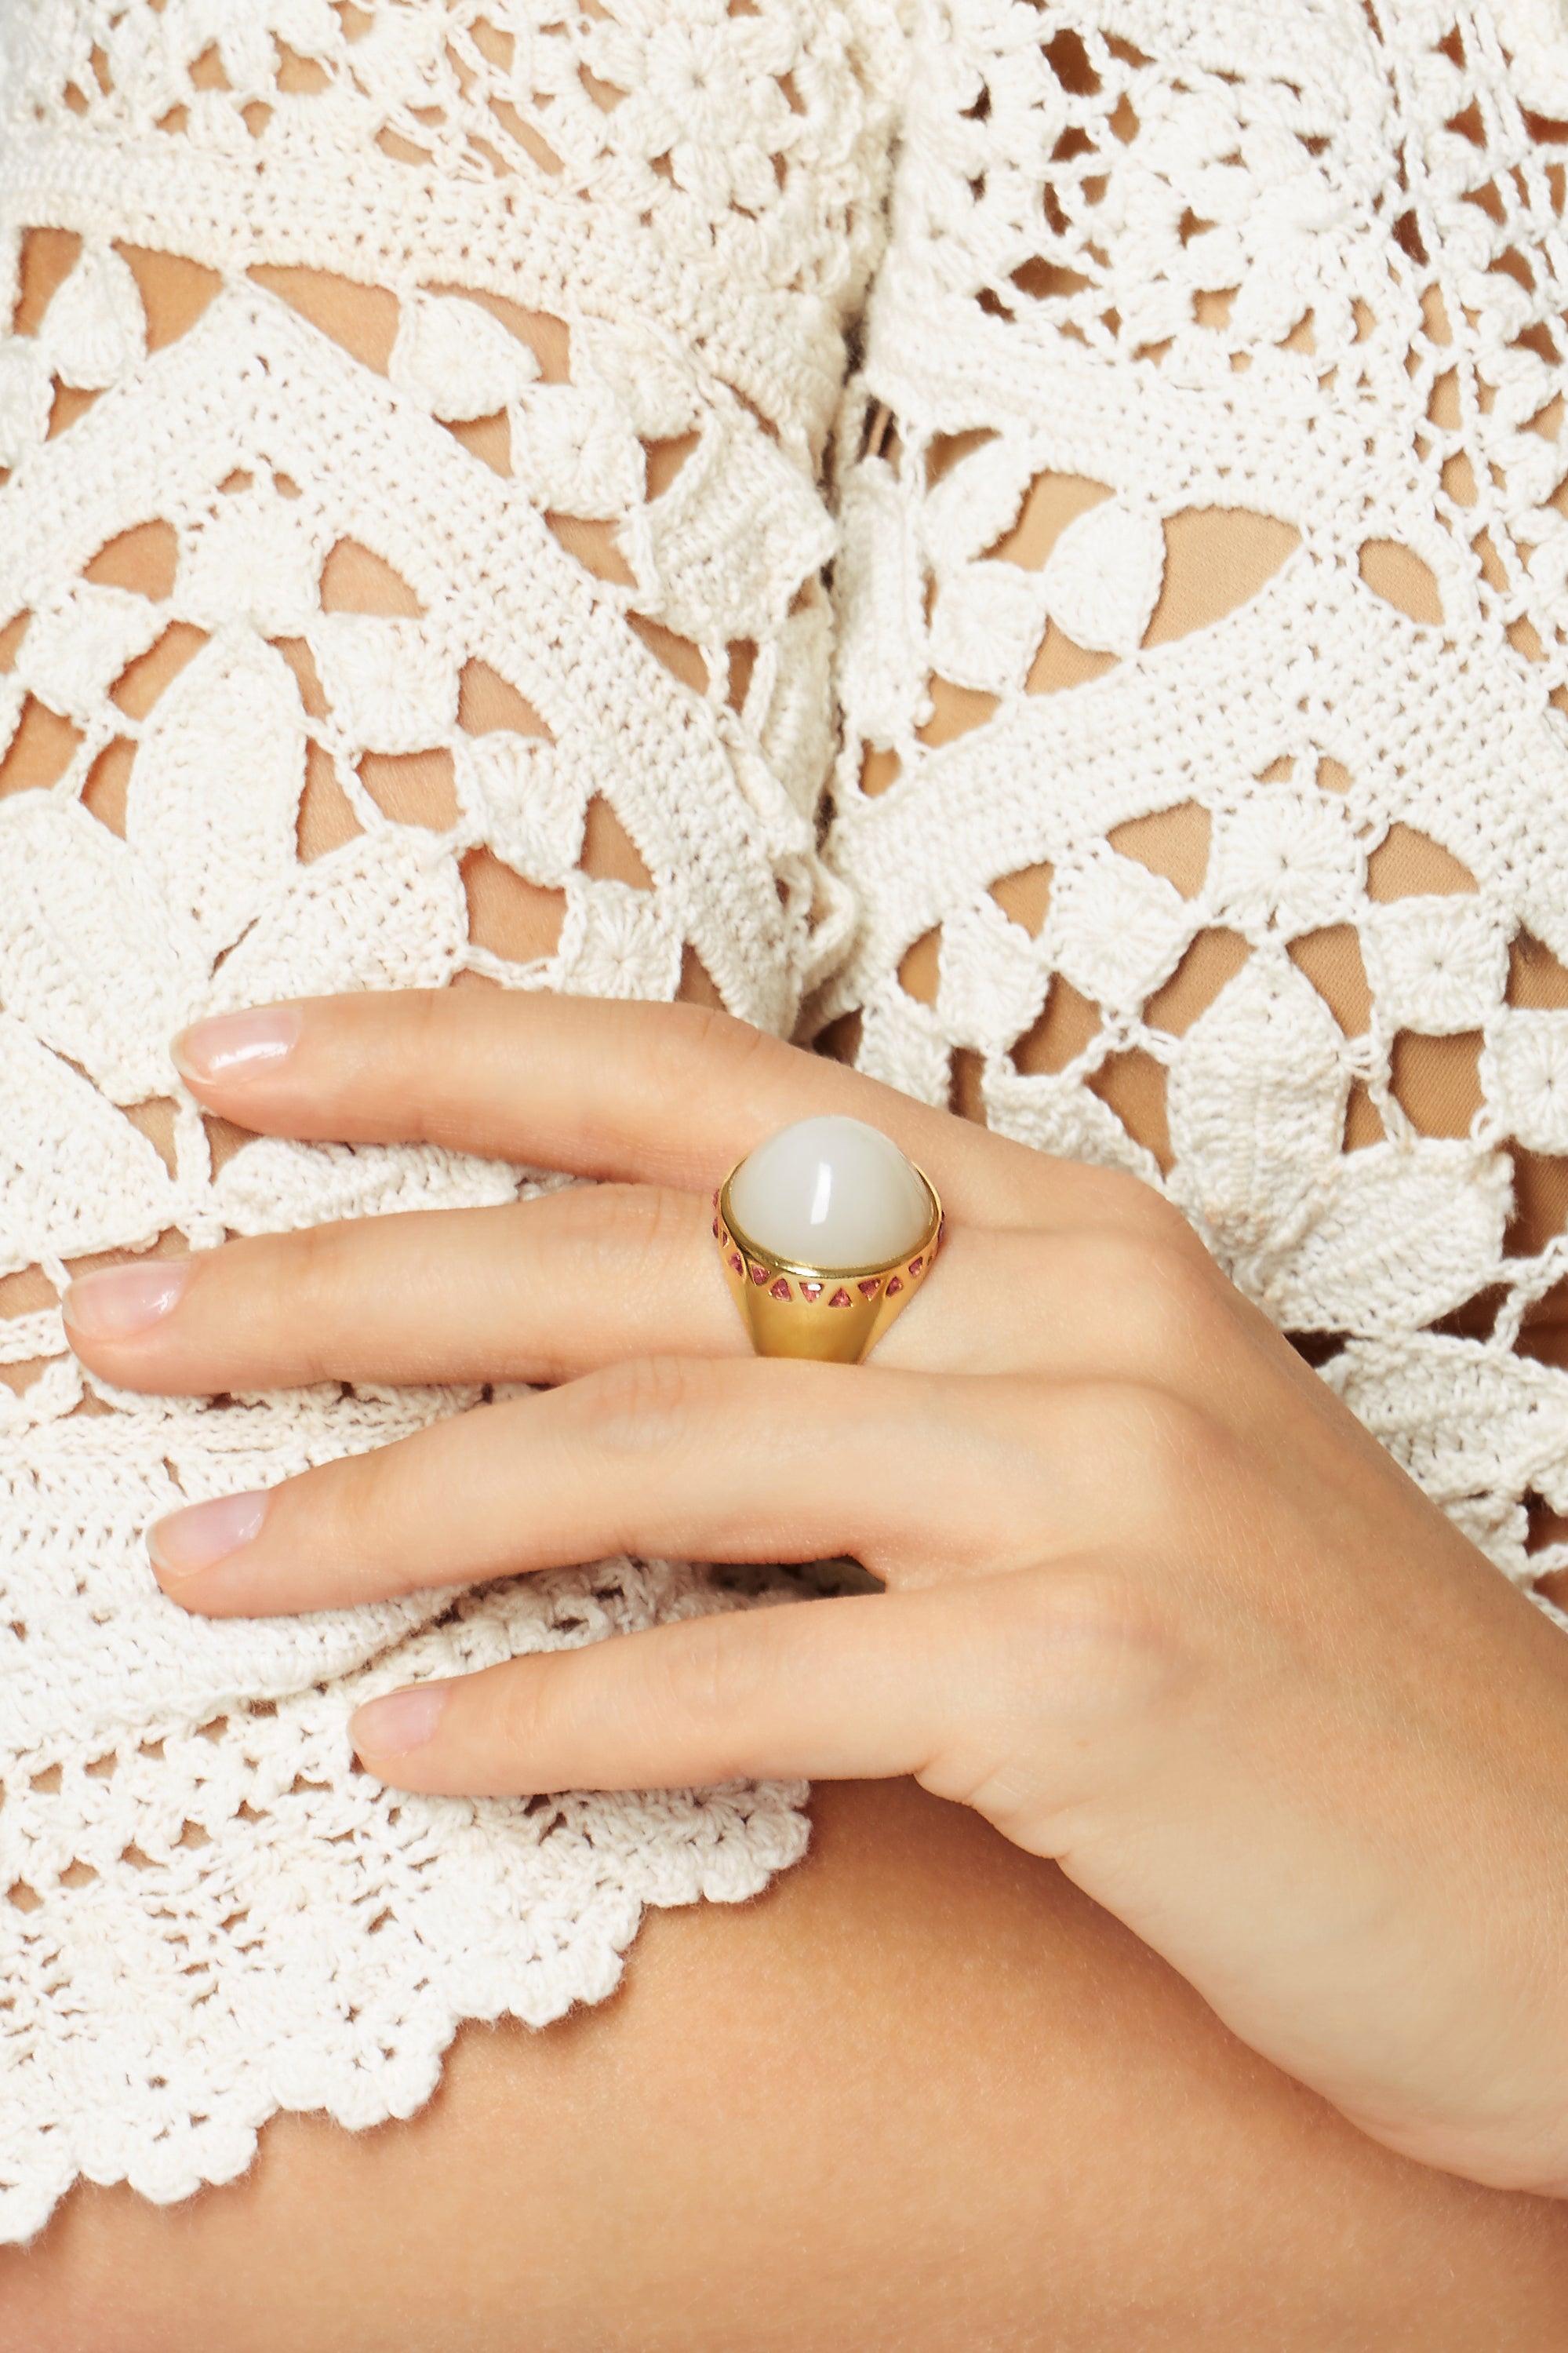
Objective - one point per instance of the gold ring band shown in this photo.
(835, 1314)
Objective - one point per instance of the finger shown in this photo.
(857, 1688)
(539, 1290)
(919, 1477)
(667, 1095)
(545, 1291)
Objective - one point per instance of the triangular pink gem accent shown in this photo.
(841, 1299)
(758, 1273)
(735, 1262)
(894, 1288)
(779, 1289)
(870, 1290)
(812, 1291)
(915, 1266)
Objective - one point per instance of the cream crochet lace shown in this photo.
(510, 606)
(1274, 910)
(609, 253)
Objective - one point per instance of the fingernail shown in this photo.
(238, 1045)
(194, 1539)
(402, 1720)
(121, 1300)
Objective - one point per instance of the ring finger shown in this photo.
(553, 1288)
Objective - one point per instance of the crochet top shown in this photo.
(1177, 384)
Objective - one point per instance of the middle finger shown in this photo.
(917, 1476)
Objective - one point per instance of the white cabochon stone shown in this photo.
(832, 1193)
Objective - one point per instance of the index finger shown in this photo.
(663, 1095)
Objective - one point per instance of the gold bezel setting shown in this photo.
(835, 1314)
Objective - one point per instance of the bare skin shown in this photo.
(922, 2092)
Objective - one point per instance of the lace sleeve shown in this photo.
(409, 553)
(1204, 667)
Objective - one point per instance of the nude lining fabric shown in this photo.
(1146, 263)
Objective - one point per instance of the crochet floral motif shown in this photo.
(1203, 660)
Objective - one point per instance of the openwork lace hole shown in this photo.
(143, 681)
(1539, 1201)
(608, 850)
(1407, 863)
(41, 749)
(355, 579)
(1206, 970)
(144, 559)
(1437, 1081)
(1363, 1121)
(920, 967)
(1132, 1085)
(1025, 898)
(1173, 843)
(363, 320)
(1066, 1027)
(1536, 980)
(47, 258)
(1215, 560)
(1332, 960)
(1401, 578)
(508, 914)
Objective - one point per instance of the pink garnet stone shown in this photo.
(736, 1262)
(841, 1299)
(779, 1289)
(894, 1288)
(812, 1291)
(759, 1274)
(870, 1290)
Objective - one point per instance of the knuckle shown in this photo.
(1096, 1606)
(729, 1055)
(643, 1402)
(347, 1504)
(516, 1714)
(1164, 1294)
(1135, 1208)
(701, 1673)
(316, 1255)
(309, 1279)
(641, 1230)
(1158, 1453)
(1171, 1454)
(429, 1014)
(1092, 1641)
(717, 1036)
(438, 1030)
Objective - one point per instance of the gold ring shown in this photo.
(835, 1314)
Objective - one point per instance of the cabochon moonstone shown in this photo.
(830, 1192)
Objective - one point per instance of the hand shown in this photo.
(1155, 1604)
